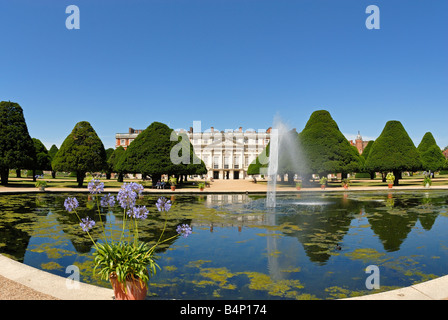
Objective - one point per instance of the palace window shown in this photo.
(226, 162)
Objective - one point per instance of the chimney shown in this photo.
(269, 130)
(212, 129)
(191, 130)
(131, 130)
(241, 129)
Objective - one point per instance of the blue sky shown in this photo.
(226, 63)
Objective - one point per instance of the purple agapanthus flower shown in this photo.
(163, 204)
(138, 212)
(184, 230)
(107, 201)
(87, 224)
(126, 196)
(71, 204)
(136, 187)
(95, 186)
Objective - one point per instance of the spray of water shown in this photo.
(284, 154)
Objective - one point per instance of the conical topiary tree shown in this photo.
(325, 148)
(149, 153)
(52, 152)
(430, 154)
(290, 157)
(365, 155)
(16, 146)
(43, 161)
(82, 151)
(393, 151)
(114, 162)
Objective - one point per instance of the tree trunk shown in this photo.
(80, 178)
(34, 175)
(53, 174)
(383, 174)
(290, 178)
(19, 173)
(4, 174)
(397, 177)
(306, 180)
(120, 177)
(372, 175)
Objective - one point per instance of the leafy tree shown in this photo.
(43, 160)
(52, 152)
(108, 169)
(393, 151)
(16, 146)
(82, 151)
(260, 163)
(366, 152)
(430, 154)
(149, 153)
(325, 148)
(193, 165)
(290, 159)
(115, 162)
(365, 155)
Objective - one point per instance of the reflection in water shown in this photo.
(309, 245)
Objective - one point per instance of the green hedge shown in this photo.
(362, 175)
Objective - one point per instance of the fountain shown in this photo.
(272, 170)
(284, 155)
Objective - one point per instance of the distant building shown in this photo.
(124, 139)
(445, 153)
(359, 143)
(226, 154)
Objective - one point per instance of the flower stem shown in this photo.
(94, 243)
(101, 220)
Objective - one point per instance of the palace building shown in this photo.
(227, 154)
(359, 143)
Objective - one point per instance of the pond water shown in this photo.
(311, 246)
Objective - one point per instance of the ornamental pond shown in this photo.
(310, 246)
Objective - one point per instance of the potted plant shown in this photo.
(173, 182)
(427, 182)
(128, 263)
(323, 182)
(41, 184)
(201, 186)
(345, 183)
(390, 178)
(299, 184)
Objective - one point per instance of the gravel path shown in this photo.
(11, 290)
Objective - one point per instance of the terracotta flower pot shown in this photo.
(298, 188)
(134, 289)
(322, 186)
(345, 186)
(173, 188)
(202, 189)
(390, 185)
